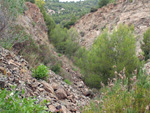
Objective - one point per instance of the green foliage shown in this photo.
(17, 34)
(50, 24)
(146, 44)
(104, 2)
(70, 23)
(67, 81)
(12, 33)
(93, 80)
(62, 10)
(32, 1)
(108, 50)
(12, 8)
(41, 72)
(59, 54)
(11, 102)
(65, 40)
(116, 98)
(56, 68)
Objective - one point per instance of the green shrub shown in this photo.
(103, 3)
(56, 68)
(146, 44)
(59, 54)
(41, 72)
(116, 98)
(70, 23)
(32, 1)
(93, 9)
(65, 40)
(67, 81)
(11, 102)
(93, 81)
(117, 48)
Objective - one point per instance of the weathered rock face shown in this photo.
(33, 23)
(59, 95)
(137, 13)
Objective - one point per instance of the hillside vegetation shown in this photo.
(110, 67)
(64, 11)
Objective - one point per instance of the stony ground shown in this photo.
(15, 71)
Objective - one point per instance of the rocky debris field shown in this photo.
(15, 71)
(136, 12)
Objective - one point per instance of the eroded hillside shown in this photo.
(137, 13)
(16, 71)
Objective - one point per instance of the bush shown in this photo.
(32, 1)
(117, 48)
(41, 72)
(11, 102)
(93, 81)
(146, 44)
(70, 23)
(116, 98)
(93, 9)
(65, 40)
(56, 68)
(103, 3)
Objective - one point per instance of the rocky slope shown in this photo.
(137, 13)
(14, 71)
(33, 23)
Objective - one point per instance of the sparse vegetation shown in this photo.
(32, 1)
(12, 102)
(56, 68)
(146, 44)
(67, 81)
(41, 72)
(104, 2)
(117, 98)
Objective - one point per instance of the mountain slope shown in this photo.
(136, 13)
(37, 49)
(63, 11)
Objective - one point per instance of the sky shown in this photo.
(69, 0)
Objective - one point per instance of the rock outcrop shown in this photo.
(136, 12)
(33, 23)
(15, 71)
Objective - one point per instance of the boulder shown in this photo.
(61, 94)
(47, 87)
(55, 86)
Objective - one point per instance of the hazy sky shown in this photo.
(69, 0)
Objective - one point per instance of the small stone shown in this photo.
(52, 108)
(3, 70)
